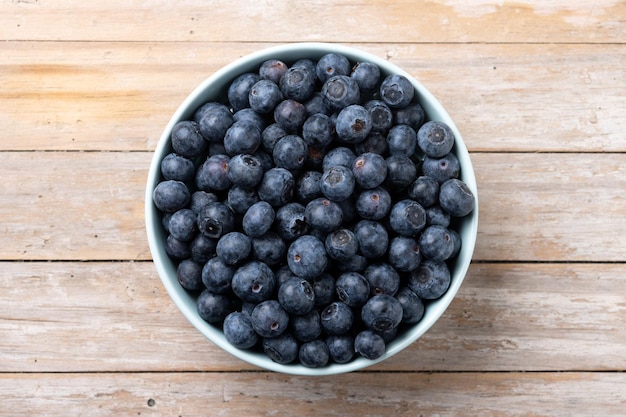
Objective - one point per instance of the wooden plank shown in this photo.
(89, 206)
(116, 316)
(120, 95)
(355, 21)
(359, 394)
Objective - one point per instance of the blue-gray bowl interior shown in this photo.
(214, 89)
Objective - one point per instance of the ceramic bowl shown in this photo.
(214, 88)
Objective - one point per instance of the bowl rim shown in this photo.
(163, 265)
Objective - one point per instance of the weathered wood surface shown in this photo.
(363, 394)
(503, 97)
(533, 207)
(116, 316)
(600, 21)
(538, 90)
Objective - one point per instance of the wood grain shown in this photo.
(120, 95)
(533, 207)
(319, 20)
(116, 316)
(366, 394)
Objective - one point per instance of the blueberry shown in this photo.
(382, 279)
(314, 354)
(323, 214)
(306, 327)
(308, 186)
(373, 204)
(258, 219)
(337, 183)
(264, 96)
(273, 70)
(177, 167)
(200, 198)
(430, 280)
(170, 196)
(396, 91)
(215, 220)
(353, 124)
(282, 273)
(332, 64)
(424, 190)
(317, 130)
(177, 249)
(187, 140)
(316, 104)
(412, 306)
(340, 347)
(456, 198)
(202, 248)
(265, 159)
(253, 282)
(241, 198)
(233, 248)
(270, 136)
(290, 115)
(290, 152)
(339, 156)
(348, 207)
(269, 319)
(269, 248)
(213, 308)
(243, 137)
(436, 243)
(357, 263)
(402, 140)
(441, 169)
(290, 222)
(296, 296)
(407, 218)
(276, 187)
(373, 238)
(189, 274)
(435, 215)
(214, 122)
(217, 276)
(245, 170)
(401, 172)
(212, 175)
(381, 312)
(282, 349)
(456, 237)
(375, 142)
(369, 344)
(353, 289)
(239, 89)
(367, 76)
(340, 91)
(381, 115)
(341, 244)
(238, 330)
(337, 318)
(298, 82)
(306, 64)
(435, 139)
(252, 116)
(369, 170)
(404, 253)
(182, 225)
(412, 115)
(324, 289)
(306, 257)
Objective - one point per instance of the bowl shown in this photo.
(215, 88)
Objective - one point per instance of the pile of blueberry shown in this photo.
(312, 212)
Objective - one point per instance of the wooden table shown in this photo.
(537, 88)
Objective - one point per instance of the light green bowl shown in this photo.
(214, 88)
